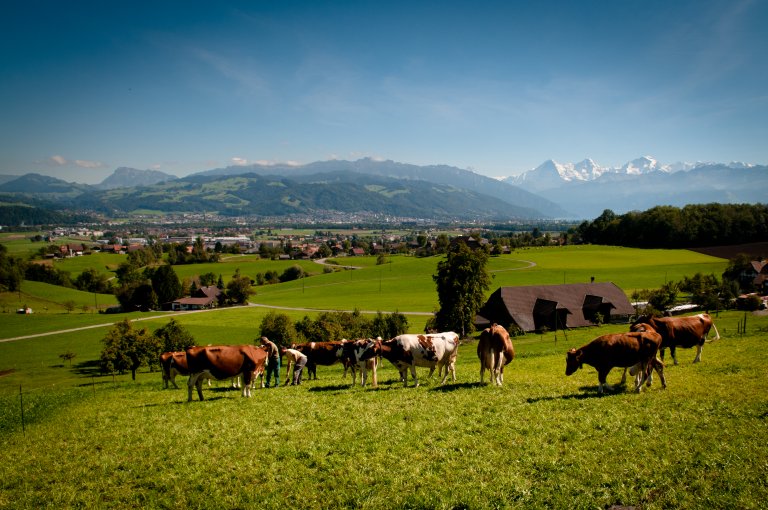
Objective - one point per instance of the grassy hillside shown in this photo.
(543, 440)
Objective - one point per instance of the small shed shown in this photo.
(536, 307)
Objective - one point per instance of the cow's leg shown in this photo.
(673, 352)
(173, 381)
(415, 378)
(602, 375)
(698, 352)
(624, 376)
(195, 380)
(498, 368)
(659, 367)
(374, 377)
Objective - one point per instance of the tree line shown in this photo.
(673, 227)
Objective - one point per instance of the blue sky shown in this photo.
(498, 87)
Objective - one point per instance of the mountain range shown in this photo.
(398, 190)
(585, 189)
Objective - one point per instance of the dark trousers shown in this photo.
(273, 368)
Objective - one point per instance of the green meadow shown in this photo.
(543, 440)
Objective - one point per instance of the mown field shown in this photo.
(543, 440)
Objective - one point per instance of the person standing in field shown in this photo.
(273, 360)
(298, 360)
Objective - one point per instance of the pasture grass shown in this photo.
(543, 440)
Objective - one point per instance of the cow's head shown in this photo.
(369, 349)
(573, 361)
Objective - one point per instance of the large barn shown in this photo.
(536, 307)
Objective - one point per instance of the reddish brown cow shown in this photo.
(173, 364)
(495, 350)
(320, 353)
(683, 332)
(619, 350)
(222, 362)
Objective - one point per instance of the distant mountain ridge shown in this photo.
(125, 177)
(586, 189)
(439, 174)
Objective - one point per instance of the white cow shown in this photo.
(423, 350)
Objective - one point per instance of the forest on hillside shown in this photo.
(672, 227)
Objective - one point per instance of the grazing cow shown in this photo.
(680, 332)
(224, 361)
(495, 350)
(320, 353)
(363, 355)
(406, 351)
(173, 364)
(619, 350)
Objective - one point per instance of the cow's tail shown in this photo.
(717, 334)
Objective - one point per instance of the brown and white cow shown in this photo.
(683, 332)
(320, 353)
(362, 355)
(410, 351)
(495, 351)
(222, 362)
(173, 364)
(619, 350)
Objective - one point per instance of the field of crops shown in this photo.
(72, 437)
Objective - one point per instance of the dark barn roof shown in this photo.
(553, 306)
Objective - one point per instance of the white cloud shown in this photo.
(58, 160)
(83, 163)
(239, 161)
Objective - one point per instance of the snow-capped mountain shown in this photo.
(552, 174)
(586, 189)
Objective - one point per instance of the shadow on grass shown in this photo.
(586, 392)
(445, 388)
(88, 368)
(333, 387)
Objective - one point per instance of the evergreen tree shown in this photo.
(166, 284)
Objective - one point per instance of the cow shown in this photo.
(495, 351)
(224, 361)
(619, 350)
(320, 353)
(363, 355)
(406, 351)
(173, 364)
(683, 332)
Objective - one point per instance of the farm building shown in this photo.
(536, 307)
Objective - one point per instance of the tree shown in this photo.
(11, 271)
(663, 298)
(704, 290)
(173, 337)
(128, 349)
(279, 328)
(239, 289)
(68, 356)
(93, 281)
(292, 273)
(207, 279)
(69, 305)
(166, 284)
(462, 281)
